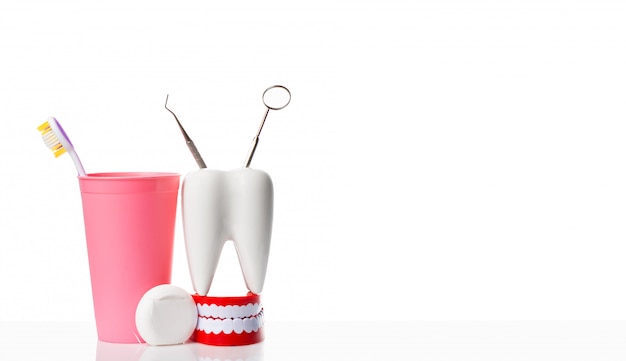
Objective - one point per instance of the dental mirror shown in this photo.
(275, 97)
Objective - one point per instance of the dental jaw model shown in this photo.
(220, 206)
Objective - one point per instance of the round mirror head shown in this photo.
(276, 97)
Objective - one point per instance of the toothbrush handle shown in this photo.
(77, 163)
(196, 154)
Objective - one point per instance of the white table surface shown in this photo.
(375, 340)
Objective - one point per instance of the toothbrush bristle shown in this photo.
(50, 139)
(43, 127)
(59, 152)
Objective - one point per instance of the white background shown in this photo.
(439, 159)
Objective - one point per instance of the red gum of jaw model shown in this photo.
(228, 310)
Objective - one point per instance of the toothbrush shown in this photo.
(54, 137)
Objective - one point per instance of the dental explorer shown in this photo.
(190, 144)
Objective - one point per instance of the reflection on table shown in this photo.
(192, 351)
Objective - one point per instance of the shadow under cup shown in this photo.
(129, 226)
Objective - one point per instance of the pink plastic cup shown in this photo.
(129, 226)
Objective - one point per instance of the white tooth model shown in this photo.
(218, 206)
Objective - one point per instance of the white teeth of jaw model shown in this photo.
(219, 206)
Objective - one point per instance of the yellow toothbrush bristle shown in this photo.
(59, 152)
(45, 127)
(50, 139)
